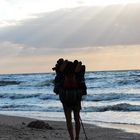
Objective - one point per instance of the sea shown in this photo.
(112, 97)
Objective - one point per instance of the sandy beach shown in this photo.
(15, 128)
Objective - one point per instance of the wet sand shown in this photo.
(15, 128)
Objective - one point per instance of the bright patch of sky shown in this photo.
(12, 11)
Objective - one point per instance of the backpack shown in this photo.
(70, 94)
(69, 83)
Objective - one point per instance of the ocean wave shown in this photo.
(112, 96)
(101, 97)
(20, 108)
(113, 83)
(7, 83)
(46, 83)
(124, 107)
(41, 96)
(30, 108)
(18, 96)
(138, 81)
(48, 97)
(127, 82)
(88, 98)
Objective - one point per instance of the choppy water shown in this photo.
(113, 96)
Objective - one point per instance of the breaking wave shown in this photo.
(7, 83)
(123, 107)
(118, 107)
(25, 96)
(113, 96)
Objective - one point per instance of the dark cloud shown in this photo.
(78, 28)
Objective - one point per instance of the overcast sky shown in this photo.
(34, 34)
(12, 11)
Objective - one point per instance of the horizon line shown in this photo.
(28, 73)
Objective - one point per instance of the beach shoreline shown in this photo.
(15, 128)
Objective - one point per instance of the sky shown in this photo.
(103, 34)
(16, 10)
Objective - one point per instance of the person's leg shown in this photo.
(69, 123)
(77, 124)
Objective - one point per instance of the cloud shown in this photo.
(76, 28)
(8, 49)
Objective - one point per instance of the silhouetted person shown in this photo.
(69, 85)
